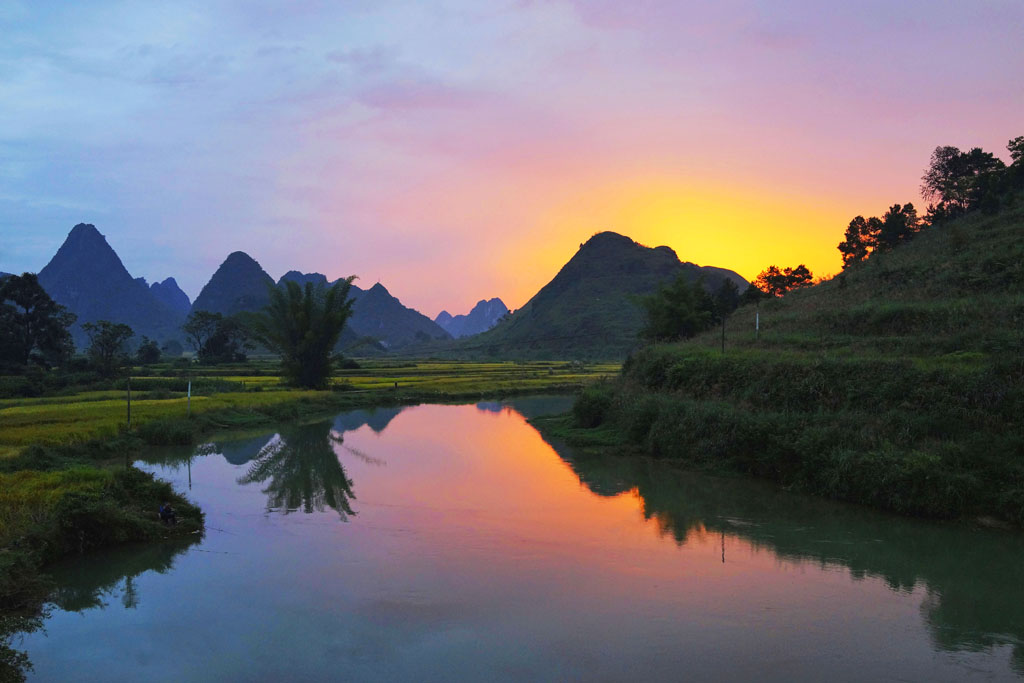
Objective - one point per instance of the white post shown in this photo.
(189, 414)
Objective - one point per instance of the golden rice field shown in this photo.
(99, 414)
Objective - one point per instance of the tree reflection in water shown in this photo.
(303, 471)
(973, 578)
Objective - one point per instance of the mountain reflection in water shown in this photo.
(480, 545)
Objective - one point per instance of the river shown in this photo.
(439, 542)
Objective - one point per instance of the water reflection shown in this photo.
(85, 583)
(92, 581)
(302, 471)
(973, 578)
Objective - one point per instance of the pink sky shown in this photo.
(459, 150)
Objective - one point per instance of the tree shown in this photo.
(216, 339)
(108, 346)
(779, 282)
(678, 310)
(898, 225)
(148, 352)
(1016, 149)
(199, 327)
(33, 327)
(726, 300)
(303, 324)
(228, 343)
(957, 181)
(860, 240)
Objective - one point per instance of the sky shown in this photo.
(461, 150)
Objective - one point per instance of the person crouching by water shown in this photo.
(167, 515)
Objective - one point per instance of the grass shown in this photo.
(64, 487)
(74, 419)
(898, 384)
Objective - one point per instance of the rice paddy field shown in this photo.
(161, 393)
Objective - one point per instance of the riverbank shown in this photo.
(898, 384)
(67, 486)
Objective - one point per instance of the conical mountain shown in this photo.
(87, 277)
(481, 318)
(240, 284)
(169, 293)
(589, 310)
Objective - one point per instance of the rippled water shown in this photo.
(453, 542)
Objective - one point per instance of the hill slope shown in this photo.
(239, 285)
(899, 383)
(87, 277)
(170, 295)
(588, 309)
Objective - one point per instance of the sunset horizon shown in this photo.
(456, 153)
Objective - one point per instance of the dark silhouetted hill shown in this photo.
(87, 277)
(378, 315)
(589, 310)
(483, 317)
(169, 293)
(239, 285)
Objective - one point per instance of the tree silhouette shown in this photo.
(303, 324)
(678, 310)
(860, 240)
(108, 346)
(898, 225)
(303, 471)
(774, 281)
(958, 181)
(33, 327)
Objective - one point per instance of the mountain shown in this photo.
(303, 278)
(239, 284)
(87, 277)
(381, 316)
(588, 310)
(171, 296)
(378, 315)
(483, 317)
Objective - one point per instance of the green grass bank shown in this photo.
(897, 384)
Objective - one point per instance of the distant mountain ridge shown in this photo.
(378, 315)
(88, 278)
(589, 309)
(484, 315)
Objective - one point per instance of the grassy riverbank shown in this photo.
(898, 384)
(66, 484)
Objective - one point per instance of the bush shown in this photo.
(591, 408)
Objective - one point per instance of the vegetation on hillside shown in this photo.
(898, 383)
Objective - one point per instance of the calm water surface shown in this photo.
(452, 542)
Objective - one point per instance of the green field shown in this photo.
(90, 415)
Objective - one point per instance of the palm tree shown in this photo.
(303, 324)
(303, 471)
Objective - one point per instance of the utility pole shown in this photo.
(129, 401)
